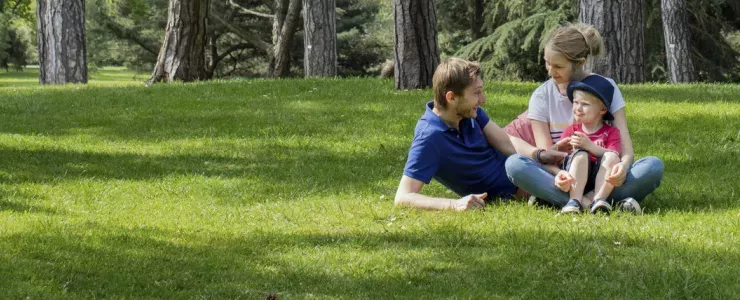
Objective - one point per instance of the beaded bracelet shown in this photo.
(539, 157)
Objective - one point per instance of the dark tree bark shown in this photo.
(61, 41)
(621, 24)
(319, 26)
(677, 41)
(415, 37)
(283, 30)
(183, 52)
(476, 22)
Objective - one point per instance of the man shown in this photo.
(458, 145)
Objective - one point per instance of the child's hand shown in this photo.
(580, 140)
(563, 180)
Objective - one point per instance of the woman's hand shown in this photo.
(580, 140)
(563, 180)
(618, 175)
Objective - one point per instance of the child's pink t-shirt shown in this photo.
(607, 137)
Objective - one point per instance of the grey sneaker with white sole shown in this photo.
(630, 205)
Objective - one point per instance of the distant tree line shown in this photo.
(646, 40)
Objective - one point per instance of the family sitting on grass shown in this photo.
(571, 149)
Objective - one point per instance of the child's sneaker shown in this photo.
(600, 206)
(630, 205)
(573, 206)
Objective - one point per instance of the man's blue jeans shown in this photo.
(643, 178)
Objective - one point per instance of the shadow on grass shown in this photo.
(6, 205)
(269, 109)
(437, 263)
(17, 201)
(297, 168)
(252, 108)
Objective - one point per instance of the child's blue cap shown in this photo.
(597, 86)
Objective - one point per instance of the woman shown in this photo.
(550, 112)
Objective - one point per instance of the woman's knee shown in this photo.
(655, 164)
(652, 167)
(515, 164)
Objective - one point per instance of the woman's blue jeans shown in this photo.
(643, 178)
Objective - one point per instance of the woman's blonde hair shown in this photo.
(576, 41)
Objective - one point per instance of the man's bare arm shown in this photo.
(408, 195)
(498, 139)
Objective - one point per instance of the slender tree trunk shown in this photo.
(476, 22)
(283, 30)
(61, 39)
(677, 41)
(319, 26)
(183, 53)
(415, 37)
(621, 24)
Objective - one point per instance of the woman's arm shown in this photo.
(628, 153)
(619, 171)
(541, 131)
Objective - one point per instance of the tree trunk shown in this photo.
(415, 37)
(183, 52)
(211, 54)
(319, 26)
(476, 22)
(677, 41)
(61, 39)
(621, 24)
(283, 29)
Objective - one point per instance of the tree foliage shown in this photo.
(17, 33)
(517, 32)
(128, 32)
(125, 32)
(517, 29)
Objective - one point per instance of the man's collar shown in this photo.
(434, 119)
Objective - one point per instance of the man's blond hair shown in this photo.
(453, 75)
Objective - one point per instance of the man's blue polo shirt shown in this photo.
(462, 161)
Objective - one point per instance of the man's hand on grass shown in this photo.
(471, 201)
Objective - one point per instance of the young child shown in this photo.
(596, 145)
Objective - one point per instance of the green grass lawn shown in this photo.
(101, 76)
(239, 189)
